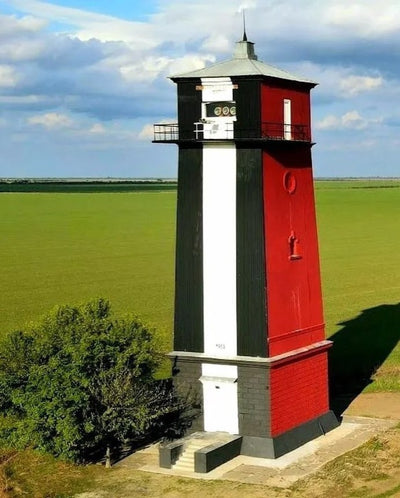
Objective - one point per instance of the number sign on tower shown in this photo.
(249, 330)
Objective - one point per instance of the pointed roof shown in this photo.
(243, 63)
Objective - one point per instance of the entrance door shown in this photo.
(220, 398)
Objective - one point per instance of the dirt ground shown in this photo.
(379, 405)
(371, 470)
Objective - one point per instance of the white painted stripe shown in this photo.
(219, 249)
(219, 268)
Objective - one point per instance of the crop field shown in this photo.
(59, 247)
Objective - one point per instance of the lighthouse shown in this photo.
(249, 333)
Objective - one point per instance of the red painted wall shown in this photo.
(294, 301)
(299, 392)
(272, 96)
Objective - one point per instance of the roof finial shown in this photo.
(244, 49)
(244, 25)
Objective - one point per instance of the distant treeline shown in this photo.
(356, 183)
(85, 185)
(96, 185)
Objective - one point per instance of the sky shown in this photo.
(83, 81)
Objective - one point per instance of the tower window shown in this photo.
(287, 119)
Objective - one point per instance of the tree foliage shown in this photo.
(81, 380)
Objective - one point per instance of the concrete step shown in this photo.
(182, 466)
(197, 445)
(200, 441)
(185, 462)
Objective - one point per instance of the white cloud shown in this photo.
(189, 62)
(51, 120)
(366, 18)
(10, 25)
(144, 70)
(217, 43)
(90, 25)
(246, 5)
(328, 123)
(147, 132)
(97, 129)
(352, 120)
(21, 99)
(21, 39)
(353, 85)
(8, 76)
(17, 50)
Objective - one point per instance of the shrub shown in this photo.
(81, 380)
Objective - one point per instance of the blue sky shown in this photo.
(81, 82)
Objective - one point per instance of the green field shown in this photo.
(68, 247)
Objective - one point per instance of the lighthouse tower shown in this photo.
(249, 329)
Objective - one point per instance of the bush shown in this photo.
(82, 380)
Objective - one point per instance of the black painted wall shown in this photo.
(248, 108)
(186, 376)
(188, 333)
(250, 266)
(189, 107)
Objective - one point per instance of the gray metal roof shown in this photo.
(244, 63)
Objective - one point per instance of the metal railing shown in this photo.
(170, 132)
(282, 131)
(166, 132)
(214, 131)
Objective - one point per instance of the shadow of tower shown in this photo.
(359, 349)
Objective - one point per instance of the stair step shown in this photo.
(186, 460)
(189, 468)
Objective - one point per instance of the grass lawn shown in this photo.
(68, 247)
(359, 249)
(370, 471)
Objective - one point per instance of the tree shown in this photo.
(82, 380)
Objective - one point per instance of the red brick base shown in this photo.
(299, 391)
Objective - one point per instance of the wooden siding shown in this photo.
(251, 298)
(189, 107)
(273, 94)
(248, 108)
(295, 317)
(188, 334)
